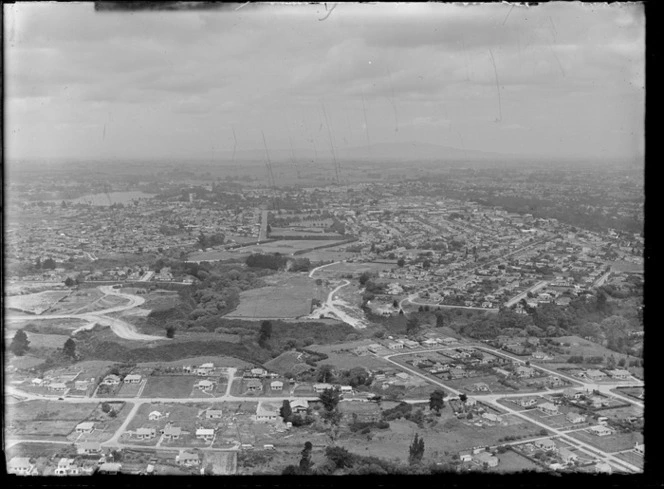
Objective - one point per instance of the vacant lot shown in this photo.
(632, 458)
(218, 361)
(511, 461)
(579, 346)
(353, 268)
(173, 386)
(45, 418)
(35, 303)
(130, 390)
(76, 301)
(449, 436)
(288, 246)
(612, 443)
(287, 300)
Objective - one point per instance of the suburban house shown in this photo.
(85, 427)
(154, 416)
(640, 448)
(572, 394)
(471, 401)
(603, 468)
(205, 369)
(188, 459)
(600, 430)
(486, 458)
(111, 380)
(276, 385)
(548, 408)
(620, 374)
(539, 355)
(145, 433)
(88, 448)
(567, 455)
(430, 343)
(21, 466)
(258, 372)
(465, 456)
(254, 385)
(575, 418)
(81, 385)
(109, 468)
(525, 402)
(491, 417)
(319, 388)
(206, 434)
(132, 379)
(346, 389)
(480, 387)
(266, 412)
(205, 385)
(214, 414)
(171, 432)
(299, 406)
(394, 345)
(595, 375)
(57, 386)
(547, 444)
(66, 466)
(411, 344)
(522, 371)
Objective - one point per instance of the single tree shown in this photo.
(330, 398)
(395, 304)
(412, 325)
(20, 343)
(463, 397)
(401, 262)
(325, 373)
(69, 282)
(440, 321)
(170, 332)
(436, 400)
(286, 411)
(265, 333)
(622, 362)
(305, 461)
(106, 407)
(48, 264)
(69, 348)
(416, 450)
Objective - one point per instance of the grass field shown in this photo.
(216, 255)
(35, 303)
(511, 461)
(38, 340)
(288, 298)
(45, 418)
(129, 390)
(217, 361)
(76, 301)
(612, 443)
(288, 246)
(632, 458)
(174, 386)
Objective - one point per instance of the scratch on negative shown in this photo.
(243, 5)
(329, 11)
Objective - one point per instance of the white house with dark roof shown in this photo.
(85, 427)
(132, 379)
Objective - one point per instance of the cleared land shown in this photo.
(46, 418)
(611, 443)
(35, 303)
(511, 461)
(288, 246)
(289, 297)
(76, 301)
(175, 386)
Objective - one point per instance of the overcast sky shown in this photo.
(568, 79)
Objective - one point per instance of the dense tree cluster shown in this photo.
(273, 262)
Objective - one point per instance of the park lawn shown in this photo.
(512, 461)
(611, 443)
(169, 386)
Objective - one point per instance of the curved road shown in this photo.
(119, 327)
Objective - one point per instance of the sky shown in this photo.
(554, 80)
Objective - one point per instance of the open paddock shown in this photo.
(274, 302)
(45, 418)
(36, 303)
(39, 340)
(354, 268)
(612, 443)
(76, 301)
